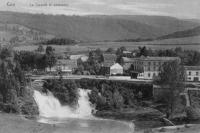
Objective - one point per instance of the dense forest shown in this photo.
(59, 41)
(36, 60)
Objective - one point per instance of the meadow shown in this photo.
(85, 47)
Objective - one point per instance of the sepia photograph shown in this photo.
(100, 66)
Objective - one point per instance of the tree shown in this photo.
(118, 99)
(31, 60)
(40, 61)
(65, 90)
(143, 51)
(120, 60)
(50, 57)
(49, 50)
(97, 99)
(40, 48)
(120, 50)
(12, 78)
(93, 64)
(5, 53)
(110, 50)
(172, 77)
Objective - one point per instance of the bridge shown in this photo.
(94, 77)
(77, 77)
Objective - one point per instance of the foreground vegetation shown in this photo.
(15, 96)
(105, 95)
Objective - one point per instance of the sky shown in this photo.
(176, 8)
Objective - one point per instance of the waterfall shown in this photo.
(50, 107)
(77, 119)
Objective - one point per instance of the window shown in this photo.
(189, 73)
(149, 63)
(149, 69)
(154, 68)
(149, 74)
(154, 74)
(197, 73)
(159, 63)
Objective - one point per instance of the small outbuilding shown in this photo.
(116, 69)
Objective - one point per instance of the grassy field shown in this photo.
(58, 49)
(84, 47)
(188, 43)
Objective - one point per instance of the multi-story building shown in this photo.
(148, 67)
(192, 73)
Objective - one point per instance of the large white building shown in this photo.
(147, 67)
(192, 73)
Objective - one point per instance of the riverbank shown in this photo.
(143, 118)
(11, 123)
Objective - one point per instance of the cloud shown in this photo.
(143, 8)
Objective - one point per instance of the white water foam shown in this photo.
(50, 107)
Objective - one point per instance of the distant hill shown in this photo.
(99, 28)
(182, 34)
(193, 20)
(164, 23)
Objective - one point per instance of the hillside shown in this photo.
(16, 33)
(182, 34)
(98, 28)
(164, 23)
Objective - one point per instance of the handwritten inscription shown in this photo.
(35, 4)
(10, 4)
(47, 4)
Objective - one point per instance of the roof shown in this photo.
(109, 57)
(84, 58)
(127, 52)
(142, 58)
(76, 57)
(69, 63)
(125, 59)
(161, 58)
(126, 66)
(192, 67)
(116, 66)
(108, 64)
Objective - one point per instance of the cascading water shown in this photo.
(79, 120)
(50, 107)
